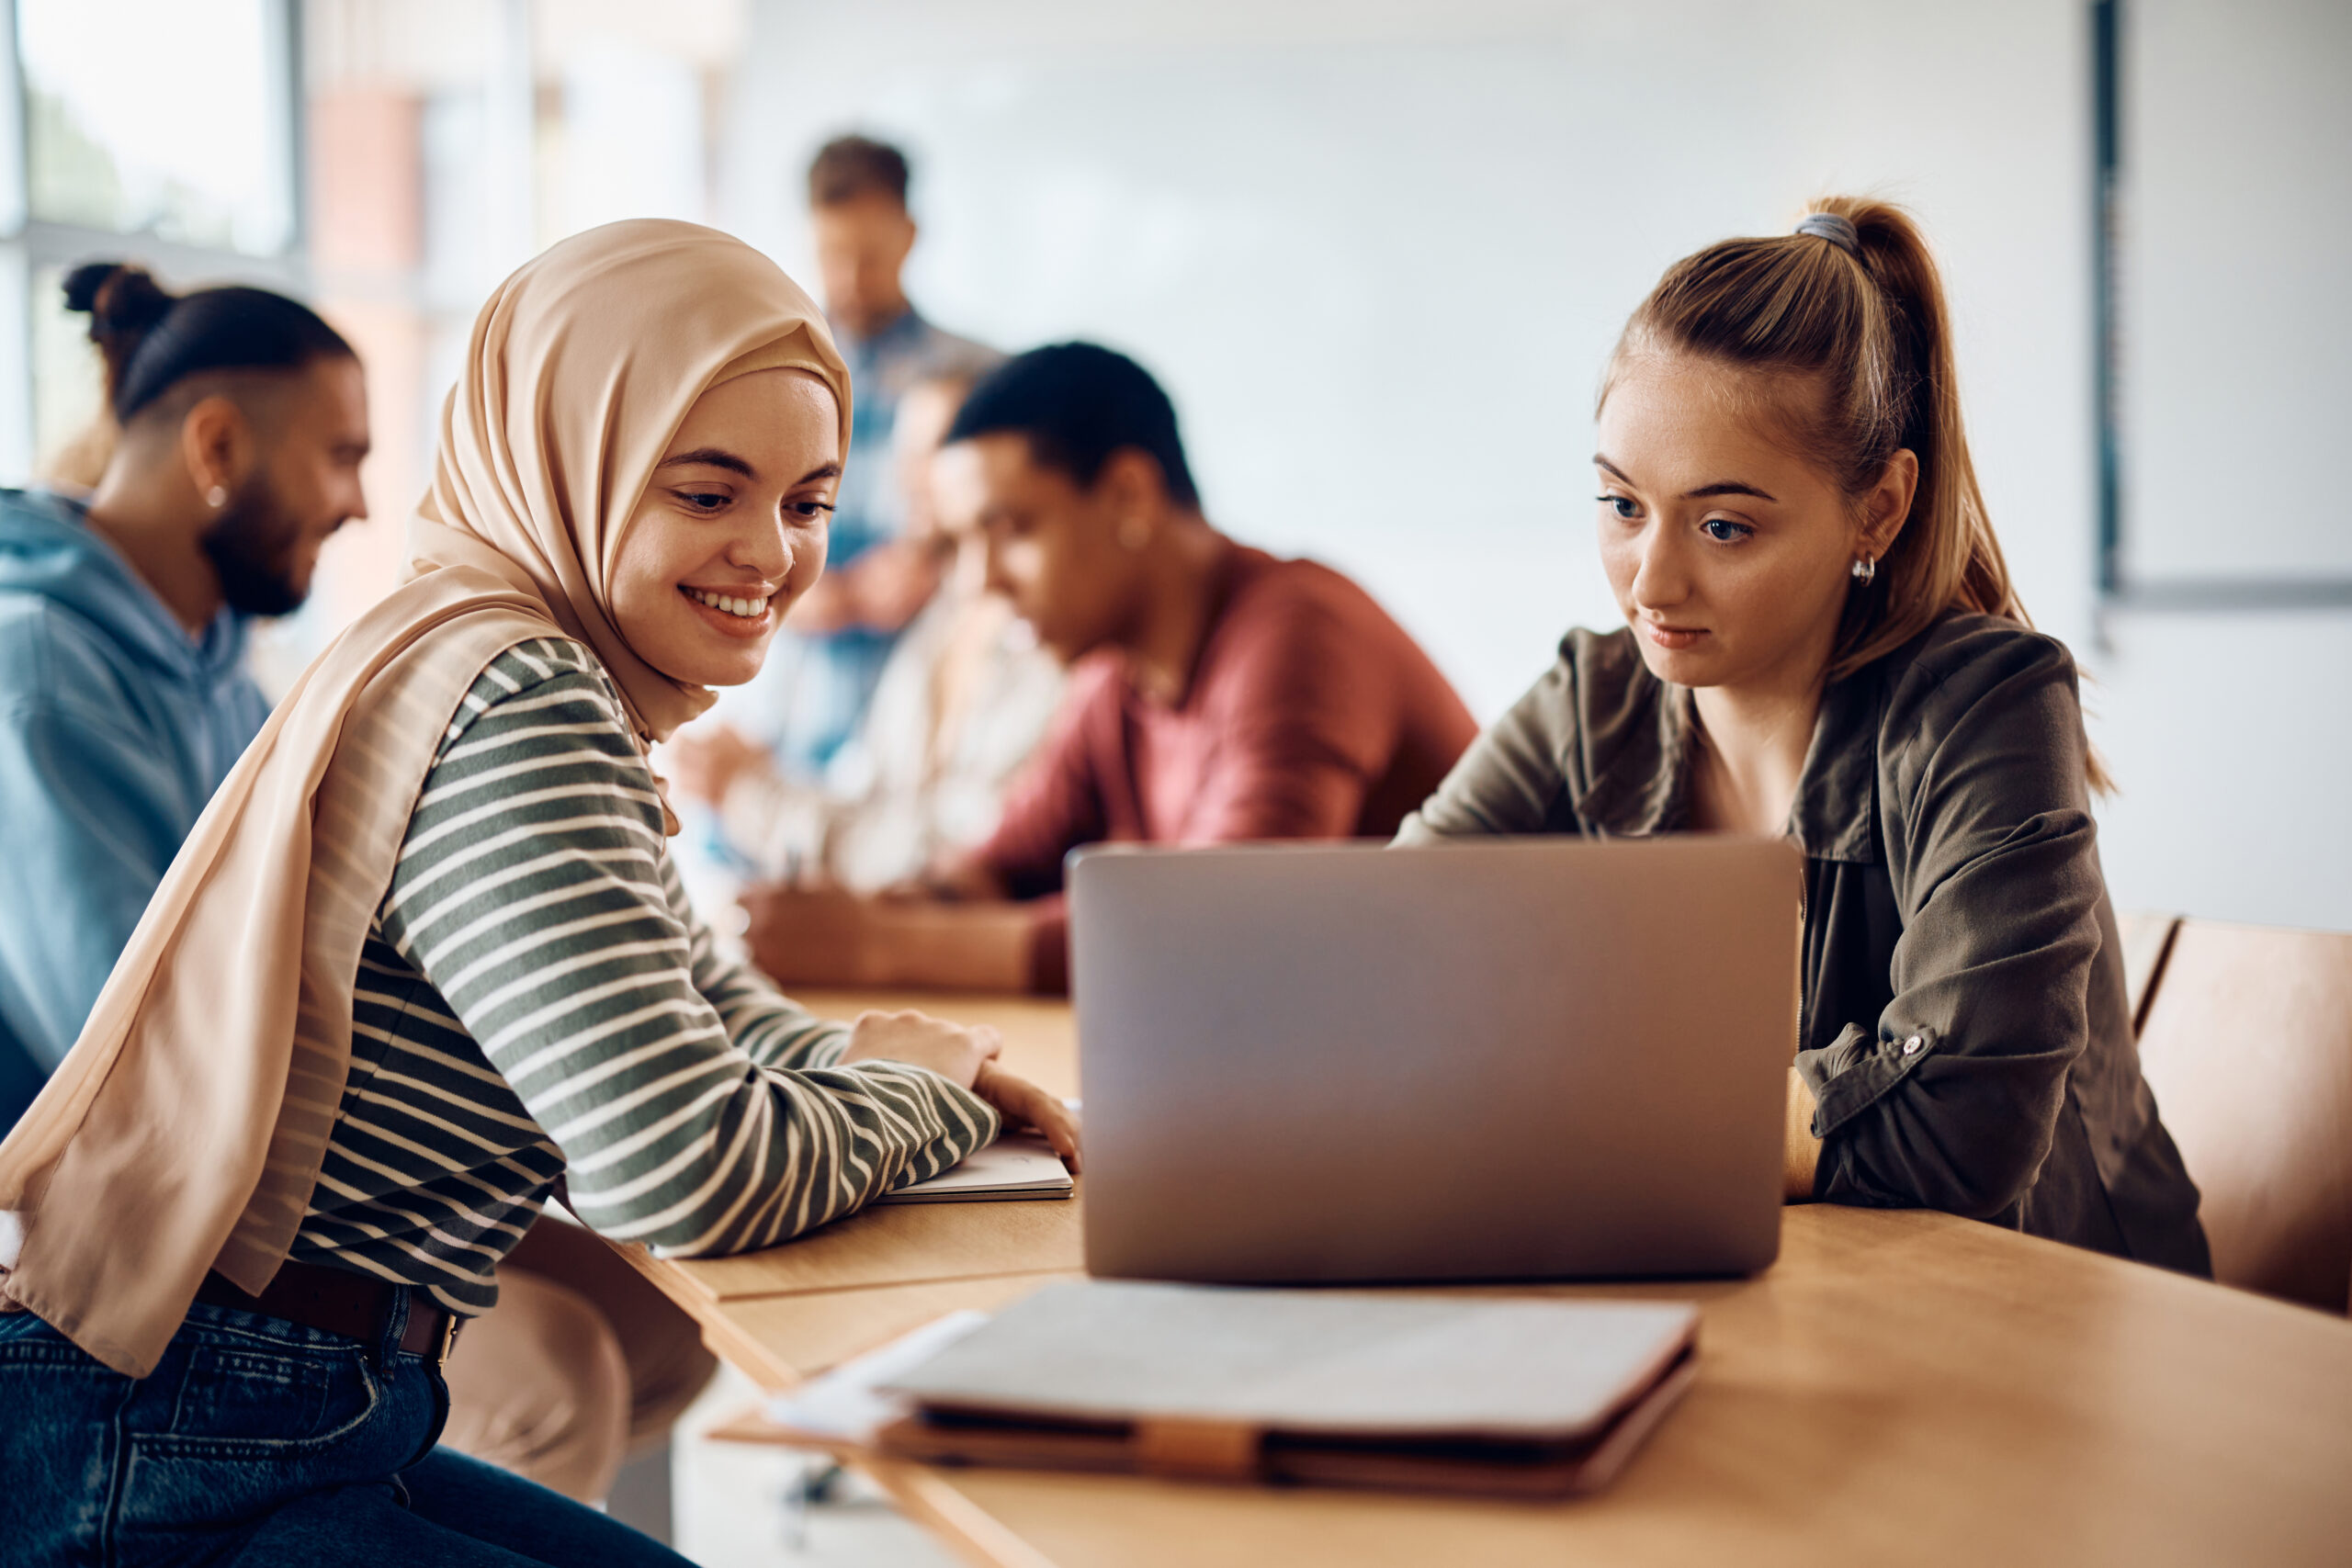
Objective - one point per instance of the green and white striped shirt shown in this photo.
(537, 1000)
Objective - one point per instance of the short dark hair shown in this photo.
(1077, 403)
(849, 166)
(152, 340)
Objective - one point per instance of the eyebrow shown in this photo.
(1720, 487)
(829, 472)
(711, 458)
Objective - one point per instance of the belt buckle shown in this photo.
(445, 1339)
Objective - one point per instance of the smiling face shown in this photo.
(733, 528)
(1731, 554)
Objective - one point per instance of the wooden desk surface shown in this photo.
(1901, 1387)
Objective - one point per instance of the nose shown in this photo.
(1661, 579)
(999, 580)
(764, 546)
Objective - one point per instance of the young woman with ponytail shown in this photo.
(1823, 642)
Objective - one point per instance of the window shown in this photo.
(159, 132)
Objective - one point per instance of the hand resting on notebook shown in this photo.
(968, 1058)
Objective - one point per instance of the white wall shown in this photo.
(1379, 251)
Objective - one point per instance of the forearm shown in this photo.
(834, 940)
(1950, 1100)
(779, 1155)
(1801, 1151)
(762, 1022)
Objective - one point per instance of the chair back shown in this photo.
(2247, 1042)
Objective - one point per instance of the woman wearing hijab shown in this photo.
(425, 958)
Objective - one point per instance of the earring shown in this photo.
(217, 497)
(1134, 533)
(1865, 569)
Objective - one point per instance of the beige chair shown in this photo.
(2247, 1041)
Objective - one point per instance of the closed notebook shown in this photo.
(1331, 1387)
(1019, 1166)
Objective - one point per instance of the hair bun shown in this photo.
(124, 303)
(119, 297)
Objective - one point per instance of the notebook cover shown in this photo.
(1510, 1469)
(1334, 1362)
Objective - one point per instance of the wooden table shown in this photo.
(1901, 1387)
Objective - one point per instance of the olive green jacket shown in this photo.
(1963, 1026)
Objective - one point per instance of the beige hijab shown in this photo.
(185, 1130)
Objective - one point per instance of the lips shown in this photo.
(1673, 637)
(731, 614)
(743, 606)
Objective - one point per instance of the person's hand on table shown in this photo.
(803, 936)
(966, 1054)
(812, 936)
(952, 1050)
(1025, 1106)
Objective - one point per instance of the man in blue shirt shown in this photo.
(841, 633)
(123, 697)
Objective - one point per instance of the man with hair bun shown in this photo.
(241, 419)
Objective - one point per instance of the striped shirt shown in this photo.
(537, 1000)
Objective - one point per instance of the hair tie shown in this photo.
(1838, 231)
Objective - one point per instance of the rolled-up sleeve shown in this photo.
(1950, 1098)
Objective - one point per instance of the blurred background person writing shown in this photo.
(1217, 695)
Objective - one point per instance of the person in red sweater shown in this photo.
(1218, 694)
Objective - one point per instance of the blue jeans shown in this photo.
(261, 1442)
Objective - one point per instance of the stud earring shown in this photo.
(1134, 533)
(1865, 569)
(217, 497)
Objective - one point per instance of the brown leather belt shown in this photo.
(340, 1302)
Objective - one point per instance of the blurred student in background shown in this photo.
(1217, 693)
(964, 698)
(1822, 644)
(238, 420)
(830, 661)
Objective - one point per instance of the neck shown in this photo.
(1164, 642)
(1754, 740)
(870, 323)
(160, 541)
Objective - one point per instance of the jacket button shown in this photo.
(1911, 1046)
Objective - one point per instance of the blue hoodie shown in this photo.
(116, 728)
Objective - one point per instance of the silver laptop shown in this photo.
(1525, 1058)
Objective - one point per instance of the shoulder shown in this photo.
(1602, 677)
(1301, 605)
(1964, 660)
(945, 354)
(53, 660)
(1597, 707)
(545, 689)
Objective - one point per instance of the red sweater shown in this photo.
(1310, 715)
